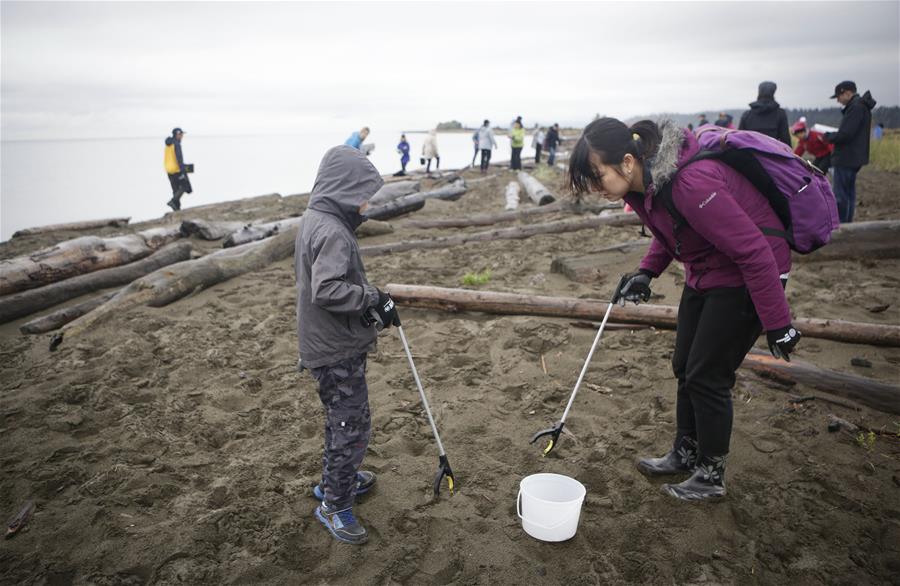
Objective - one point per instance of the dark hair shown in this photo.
(611, 140)
(486, 122)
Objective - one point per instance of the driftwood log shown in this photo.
(872, 393)
(586, 268)
(859, 240)
(244, 204)
(72, 226)
(33, 300)
(78, 256)
(512, 195)
(374, 228)
(516, 233)
(415, 201)
(209, 229)
(539, 194)
(171, 283)
(660, 316)
(61, 317)
(558, 207)
(391, 191)
(254, 232)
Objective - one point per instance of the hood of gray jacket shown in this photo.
(346, 180)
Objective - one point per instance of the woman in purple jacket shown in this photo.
(735, 277)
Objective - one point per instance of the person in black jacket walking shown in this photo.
(766, 116)
(851, 145)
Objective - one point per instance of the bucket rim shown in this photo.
(582, 488)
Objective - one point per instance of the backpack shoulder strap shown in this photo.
(665, 195)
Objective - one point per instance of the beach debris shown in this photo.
(539, 194)
(558, 207)
(512, 195)
(16, 523)
(416, 201)
(208, 229)
(74, 226)
(254, 232)
(861, 362)
(33, 300)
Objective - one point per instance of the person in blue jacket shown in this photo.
(356, 139)
(403, 149)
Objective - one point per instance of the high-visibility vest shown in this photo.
(170, 161)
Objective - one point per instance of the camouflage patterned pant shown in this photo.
(345, 396)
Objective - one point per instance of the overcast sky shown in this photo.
(137, 69)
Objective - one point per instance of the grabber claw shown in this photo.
(443, 470)
(553, 432)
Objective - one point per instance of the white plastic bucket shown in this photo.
(550, 506)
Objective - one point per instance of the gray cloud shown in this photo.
(124, 69)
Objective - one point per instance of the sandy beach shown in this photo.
(178, 445)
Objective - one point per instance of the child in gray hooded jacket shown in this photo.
(334, 332)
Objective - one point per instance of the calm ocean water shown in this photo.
(48, 182)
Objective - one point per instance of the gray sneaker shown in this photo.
(342, 524)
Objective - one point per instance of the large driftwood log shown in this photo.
(586, 268)
(171, 283)
(72, 226)
(27, 302)
(539, 194)
(208, 229)
(156, 238)
(512, 195)
(391, 191)
(374, 228)
(67, 259)
(61, 317)
(254, 232)
(516, 233)
(859, 240)
(415, 201)
(660, 316)
(557, 207)
(872, 393)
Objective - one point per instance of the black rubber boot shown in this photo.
(707, 482)
(680, 460)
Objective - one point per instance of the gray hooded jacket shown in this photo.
(332, 290)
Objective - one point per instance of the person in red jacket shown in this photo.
(734, 278)
(810, 141)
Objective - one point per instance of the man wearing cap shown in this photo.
(851, 145)
(766, 116)
(174, 164)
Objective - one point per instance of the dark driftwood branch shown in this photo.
(391, 191)
(518, 232)
(61, 317)
(254, 232)
(27, 302)
(869, 240)
(171, 283)
(871, 393)
(209, 229)
(661, 316)
(72, 226)
(416, 201)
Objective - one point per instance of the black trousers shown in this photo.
(485, 159)
(179, 186)
(715, 331)
(537, 154)
(436, 166)
(516, 160)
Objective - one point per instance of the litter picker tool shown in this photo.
(554, 432)
(444, 469)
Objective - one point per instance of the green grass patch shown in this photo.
(476, 279)
(885, 153)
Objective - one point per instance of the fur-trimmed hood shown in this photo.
(674, 147)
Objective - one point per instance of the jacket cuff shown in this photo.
(371, 296)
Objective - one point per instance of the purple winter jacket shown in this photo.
(721, 244)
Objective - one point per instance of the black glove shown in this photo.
(782, 341)
(384, 313)
(634, 287)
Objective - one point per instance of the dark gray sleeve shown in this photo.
(784, 133)
(330, 289)
(850, 124)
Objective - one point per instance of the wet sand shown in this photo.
(178, 445)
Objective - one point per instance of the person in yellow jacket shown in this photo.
(173, 161)
(517, 142)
